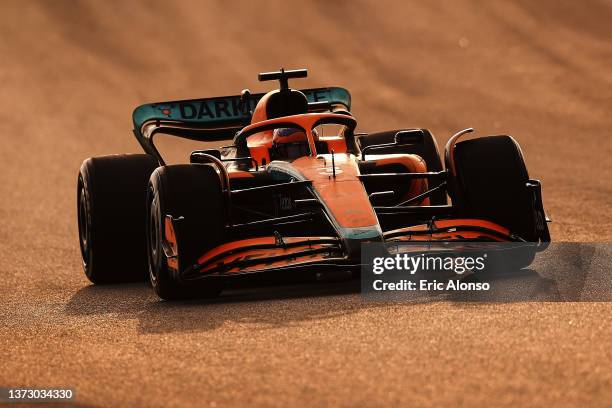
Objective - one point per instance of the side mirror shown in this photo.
(412, 136)
(379, 196)
(402, 138)
(320, 106)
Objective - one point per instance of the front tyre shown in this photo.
(191, 195)
(492, 183)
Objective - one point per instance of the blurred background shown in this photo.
(72, 71)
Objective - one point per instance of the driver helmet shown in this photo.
(291, 135)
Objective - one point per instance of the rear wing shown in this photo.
(211, 119)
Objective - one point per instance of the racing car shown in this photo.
(297, 190)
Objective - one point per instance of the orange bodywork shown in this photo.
(413, 164)
(259, 113)
(259, 145)
(337, 144)
(344, 195)
(239, 174)
(170, 244)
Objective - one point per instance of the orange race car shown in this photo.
(298, 191)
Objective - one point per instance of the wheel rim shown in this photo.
(84, 221)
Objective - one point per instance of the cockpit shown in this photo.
(287, 141)
(286, 126)
(290, 144)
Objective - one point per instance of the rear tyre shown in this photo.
(191, 195)
(111, 198)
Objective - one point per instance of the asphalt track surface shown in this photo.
(70, 74)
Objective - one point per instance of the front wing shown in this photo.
(269, 254)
